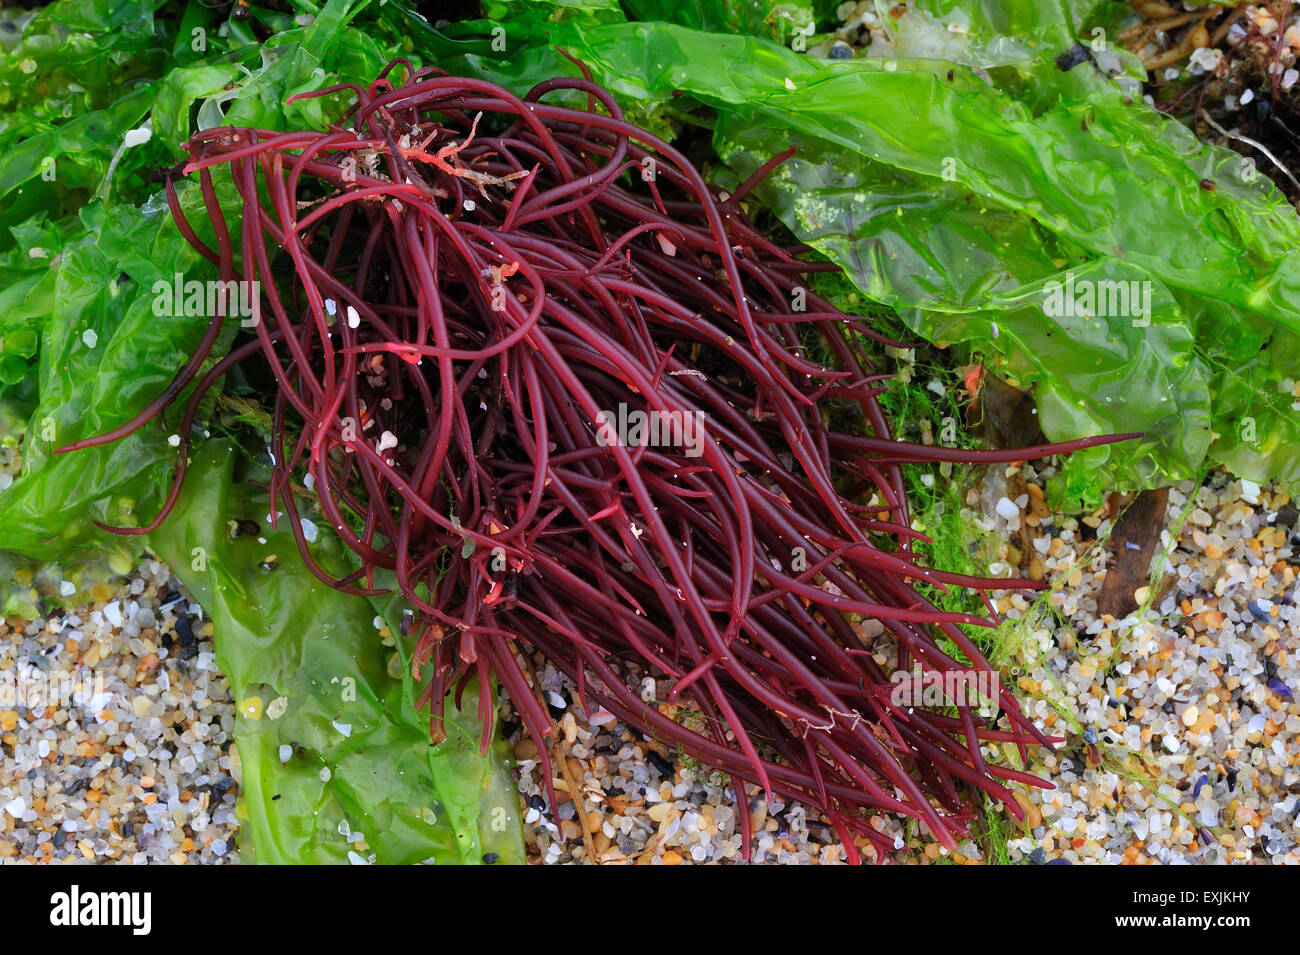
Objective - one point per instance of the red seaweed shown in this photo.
(485, 294)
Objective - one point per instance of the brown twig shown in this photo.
(1226, 23)
(557, 755)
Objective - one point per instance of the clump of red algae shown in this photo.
(532, 364)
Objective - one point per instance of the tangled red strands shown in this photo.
(475, 280)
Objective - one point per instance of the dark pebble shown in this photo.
(537, 802)
(1232, 780)
(189, 653)
(1090, 735)
(1038, 856)
(1169, 706)
(128, 830)
(490, 858)
(841, 51)
(1287, 517)
(661, 765)
(185, 631)
(60, 837)
(1060, 862)
(1281, 689)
